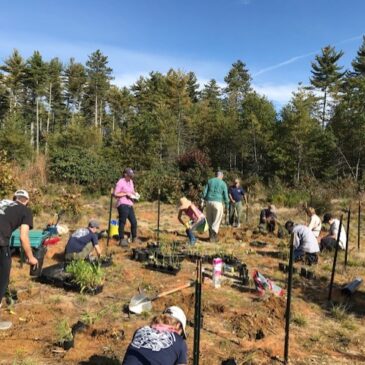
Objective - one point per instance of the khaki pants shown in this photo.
(82, 255)
(214, 215)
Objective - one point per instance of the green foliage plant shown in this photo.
(64, 331)
(86, 275)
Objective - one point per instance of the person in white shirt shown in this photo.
(329, 242)
(305, 243)
(315, 224)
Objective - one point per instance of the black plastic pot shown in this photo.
(163, 269)
(39, 255)
(68, 344)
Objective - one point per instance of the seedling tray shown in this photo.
(163, 269)
(56, 276)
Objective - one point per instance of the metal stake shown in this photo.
(335, 260)
(197, 314)
(158, 215)
(347, 234)
(288, 301)
(110, 216)
(358, 226)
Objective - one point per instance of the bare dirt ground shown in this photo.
(321, 332)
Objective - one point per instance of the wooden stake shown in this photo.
(110, 216)
(358, 226)
(158, 215)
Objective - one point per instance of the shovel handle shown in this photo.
(167, 292)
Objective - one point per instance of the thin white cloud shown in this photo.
(279, 94)
(296, 58)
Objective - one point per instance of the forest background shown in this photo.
(68, 124)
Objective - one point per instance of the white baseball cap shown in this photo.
(22, 193)
(177, 313)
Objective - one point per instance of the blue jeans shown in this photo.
(189, 231)
(127, 212)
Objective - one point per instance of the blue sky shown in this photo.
(277, 39)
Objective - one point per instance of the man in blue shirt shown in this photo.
(236, 195)
(82, 242)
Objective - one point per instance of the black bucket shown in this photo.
(39, 255)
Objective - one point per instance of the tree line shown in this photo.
(89, 128)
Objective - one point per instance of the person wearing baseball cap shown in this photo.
(162, 342)
(82, 243)
(126, 195)
(14, 214)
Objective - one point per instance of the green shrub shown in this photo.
(7, 180)
(86, 275)
(147, 184)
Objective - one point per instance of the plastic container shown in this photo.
(114, 228)
(39, 255)
(217, 272)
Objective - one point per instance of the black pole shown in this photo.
(158, 215)
(358, 226)
(197, 313)
(347, 234)
(335, 260)
(110, 217)
(288, 301)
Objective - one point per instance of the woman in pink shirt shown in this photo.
(196, 221)
(125, 194)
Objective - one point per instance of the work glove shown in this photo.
(187, 226)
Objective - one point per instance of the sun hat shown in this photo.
(272, 208)
(178, 314)
(22, 193)
(184, 203)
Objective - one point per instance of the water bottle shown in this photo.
(217, 272)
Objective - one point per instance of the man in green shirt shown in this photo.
(215, 195)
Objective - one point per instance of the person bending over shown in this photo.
(162, 342)
(305, 243)
(82, 242)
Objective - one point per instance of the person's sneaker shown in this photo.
(238, 225)
(5, 325)
(123, 243)
(136, 240)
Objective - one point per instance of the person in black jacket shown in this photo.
(13, 214)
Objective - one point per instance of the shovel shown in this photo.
(141, 303)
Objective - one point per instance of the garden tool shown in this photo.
(141, 303)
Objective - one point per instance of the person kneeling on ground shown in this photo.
(197, 219)
(82, 242)
(268, 219)
(329, 242)
(305, 243)
(162, 342)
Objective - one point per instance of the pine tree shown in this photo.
(326, 74)
(74, 81)
(359, 62)
(193, 87)
(35, 80)
(14, 68)
(98, 78)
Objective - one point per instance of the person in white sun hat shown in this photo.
(162, 342)
(13, 214)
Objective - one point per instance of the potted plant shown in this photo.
(86, 277)
(64, 334)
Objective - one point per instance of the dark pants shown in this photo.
(306, 257)
(5, 266)
(328, 243)
(127, 212)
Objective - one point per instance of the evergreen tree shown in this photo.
(98, 78)
(193, 87)
(359, 62)
(74, 81)
(326, 75)
(35, 81)
(14, 68)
